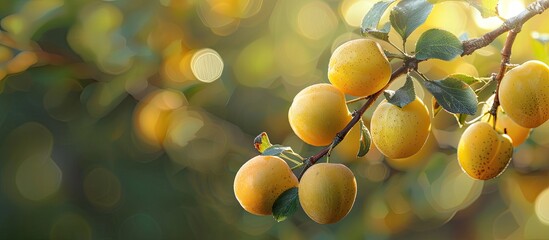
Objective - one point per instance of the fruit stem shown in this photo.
(505, 59)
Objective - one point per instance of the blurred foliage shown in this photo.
(128, 119)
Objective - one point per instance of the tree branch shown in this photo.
(356, 117)
(505, 59)
(471, 45)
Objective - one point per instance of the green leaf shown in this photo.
(403, 95)
(468, 79)
(382, 34)
(487, 8)
(437, 43)
(371, 19)
(407, 15)
(365, 140)
(261, 142)
(453, 95)
(461, 118)
(286, 204)
(284, 152)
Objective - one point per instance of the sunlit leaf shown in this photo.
(371, 19)
(467, 78)
(365, 140)
(439, 44)
(408, 15)
(285, 205)
(453, 95)
(403, 95)
(261, 142)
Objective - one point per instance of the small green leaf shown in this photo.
(403, 95)
(365, 140)
(407, 15)
(284, 152)
(453, 95)
(382, 34)
(261, 142)
(371, 19)
(461, 118)
(468, 79)
(437, 43)
(286, 204)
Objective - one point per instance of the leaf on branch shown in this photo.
(453, 95)
(408, 15)
(261, 142)
(284, 152)
(286, 204)
(487, 8)
(382, 34)
(371, 21)
(468, 79)
(437, 43)
(365, 140)
(403, 95)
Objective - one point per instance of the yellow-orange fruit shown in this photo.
(504, 124)
(359, 67)
(318, 113)
(400, 132)
(260, 181)
(327, 192)
(524, 94)
(482, 152)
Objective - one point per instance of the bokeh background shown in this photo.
(128, 119)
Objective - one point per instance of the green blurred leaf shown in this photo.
(371, 19)
(261, 142)
(365, 140)
(286, 204)
(453, 95)
(468, 79)
(403, 95)
(439, 44)
(407, 15)
(461, 118)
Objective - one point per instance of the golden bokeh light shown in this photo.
(207, 65)
(542, 206)
(353, 11)
(152, 115)
(316, 20)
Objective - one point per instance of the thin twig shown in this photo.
(537, 7)
(505, 59)
(469, 46)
